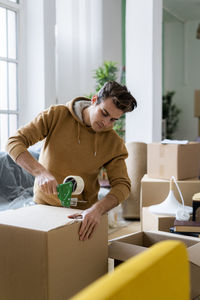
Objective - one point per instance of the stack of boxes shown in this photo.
(163, 162)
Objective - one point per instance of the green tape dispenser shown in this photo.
(72, 185)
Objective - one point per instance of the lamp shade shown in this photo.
(169, 206)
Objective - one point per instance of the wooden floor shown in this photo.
(124, 228)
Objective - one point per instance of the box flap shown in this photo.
(122, 251)
(193, 253)
(38, 217)
(151, 237)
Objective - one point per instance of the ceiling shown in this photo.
(181, 10)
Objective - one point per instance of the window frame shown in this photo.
(18, 9)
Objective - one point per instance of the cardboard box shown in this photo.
(197, 103)
(121, 249)
(154, 191)
(180, 161)
(150, 221)
(42, 257)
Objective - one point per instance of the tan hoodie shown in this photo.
(72, 148)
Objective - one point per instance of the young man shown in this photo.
(78, 140)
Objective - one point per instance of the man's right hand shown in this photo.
(45, 180)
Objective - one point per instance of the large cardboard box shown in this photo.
(41, 256)
(154, 191)
(122, 248)
(150, 221)
(180, 161)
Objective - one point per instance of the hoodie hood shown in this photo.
(83, 103)
(80, 103)
(75, 107)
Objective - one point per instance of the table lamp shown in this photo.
(171, 206)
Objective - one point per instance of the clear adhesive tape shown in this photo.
(78, 186)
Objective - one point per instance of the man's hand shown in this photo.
(47, 182)
(91, 218)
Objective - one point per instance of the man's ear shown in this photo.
(94, 99)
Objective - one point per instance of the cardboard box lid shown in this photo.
(38, 217)
(150, 237)
(123, 251)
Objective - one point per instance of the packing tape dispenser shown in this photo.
(72, 185)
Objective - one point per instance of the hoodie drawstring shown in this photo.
(95, 139)
(79, 141)
(95, 144)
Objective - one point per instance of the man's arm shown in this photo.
(120, 189)
(44, 178)
(92, 215)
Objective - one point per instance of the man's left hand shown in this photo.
(91, 218)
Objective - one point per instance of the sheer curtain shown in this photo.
(78, 46)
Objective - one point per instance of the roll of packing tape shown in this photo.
(78, 184)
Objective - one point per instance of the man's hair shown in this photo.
(121, 97)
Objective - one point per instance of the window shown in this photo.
(8, 70)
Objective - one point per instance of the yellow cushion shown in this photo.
(159, 273)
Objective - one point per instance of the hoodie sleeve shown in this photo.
(118, 176)
(30, 134)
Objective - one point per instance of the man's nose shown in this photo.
(106, 122)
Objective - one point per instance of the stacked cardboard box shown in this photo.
(154, 191)
(163, 162)
(42, 257)
(180, 161)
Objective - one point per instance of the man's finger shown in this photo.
(92, 232)
(87, 229)
(88, 232)
(84, 226)
(75, 216)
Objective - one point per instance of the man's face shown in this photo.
(104, 115)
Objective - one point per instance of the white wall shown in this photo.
(143, 65)
(38, 72)
(182, 73)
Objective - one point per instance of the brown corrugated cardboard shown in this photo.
(122, 251)
(154, 191)
(146, 239)
(180, 161)
(150, 221)
(136, 167)
(197, 103)
(42, 257)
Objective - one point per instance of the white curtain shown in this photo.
(78, 46)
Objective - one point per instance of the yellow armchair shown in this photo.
(159, 273)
